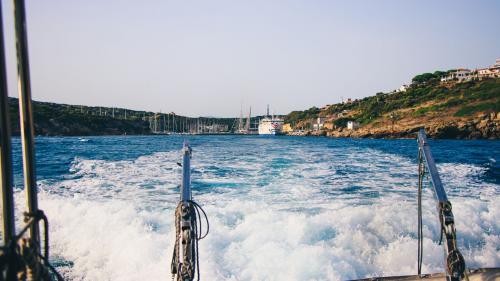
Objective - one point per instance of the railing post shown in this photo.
(26, 115)
(186, 173)
(6, 175)
(454, 261)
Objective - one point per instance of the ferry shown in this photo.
(270, 126)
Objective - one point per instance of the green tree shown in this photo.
(423, 78)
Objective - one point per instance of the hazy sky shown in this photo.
(209, 57)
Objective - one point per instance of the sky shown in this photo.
(212, 58)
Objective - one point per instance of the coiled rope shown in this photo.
(186, 269)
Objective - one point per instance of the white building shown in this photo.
(352, 125)
(460, 74)
(320, 123)
(492, 71)
(485, 72)
(403, 88)
(349, 100)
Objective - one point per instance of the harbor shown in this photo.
(172, 124)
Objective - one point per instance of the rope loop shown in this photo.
(188, 231)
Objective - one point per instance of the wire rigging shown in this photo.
(420, 238)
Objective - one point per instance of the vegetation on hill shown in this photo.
(52, 119)
(427, 97)
(449, 107)
(295, 116)
(429, 77)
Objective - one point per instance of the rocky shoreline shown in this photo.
(481, 126)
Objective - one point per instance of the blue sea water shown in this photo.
(281, 208)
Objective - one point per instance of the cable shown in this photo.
(52, 269)
(421, 172)
(197, 232)
(198, 208)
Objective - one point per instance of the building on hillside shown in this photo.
(352, 125)
(490, 72)
(485, 72)
(403, 88)
(349, 100)
(461, 74)
(319, 124)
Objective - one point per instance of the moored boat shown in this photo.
(270, 126)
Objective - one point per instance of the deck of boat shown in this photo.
(482, 274)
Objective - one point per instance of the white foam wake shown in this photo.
(254, 241)
(289, 216)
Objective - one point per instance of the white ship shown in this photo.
(270, 125)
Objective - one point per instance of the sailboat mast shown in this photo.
(240, 123)
(248, 120)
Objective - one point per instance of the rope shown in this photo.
(198, 208)
(53, 270)
(198, 235)
(191, 212)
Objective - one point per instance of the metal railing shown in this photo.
(21, 256)
(6, 175)
(188, 227)
(454, 261)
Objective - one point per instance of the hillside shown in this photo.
(467, 110)
(53, 119)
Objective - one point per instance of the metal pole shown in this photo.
(431, 165)
(454, 261)
(186, 173)
(26, 115)
(9, 230)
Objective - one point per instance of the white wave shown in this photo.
(297, 220)
(254, 241)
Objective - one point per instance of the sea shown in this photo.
(280, 208)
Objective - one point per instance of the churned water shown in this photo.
(282, 208)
